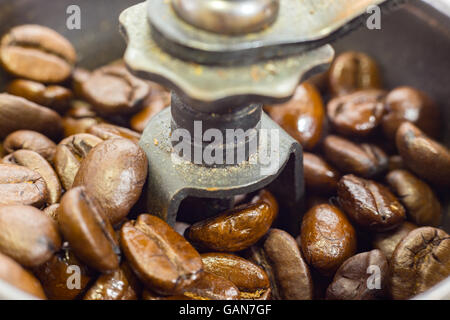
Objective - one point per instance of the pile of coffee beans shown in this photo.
(73, 224)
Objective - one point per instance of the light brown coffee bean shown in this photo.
(30, 140)
(17, 113)
(88, 230)
(108, 131)
(364, 159)
(369, 204)
(319, 175)
(421, 260)
(34, 161)
(327, 238)
(251, 280)
(386, 242)
(52, 211)
(69, 154)
(27, 235)
(20, 185)
(426, 157)
(11, 272)
(126, 173)
(164, 261)
(37, 53)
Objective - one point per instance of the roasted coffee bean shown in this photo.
(303, 116)
(233, 230)
(281, 258)
(354, 280)
(52, 211)
(267, 197)
(54, 97)
(37, 53)
(79, 119)
(70, 152)
(327, 238)
(34, 161)
(357, 114)
(251, 280)
(17, 113)
(409, 104)
(149, 295)
(369, 204)
(423, 207)
(56, 276)
(164, 261)
(108, 131)
(352, 71)
(212, 287)
(387, 241)
(319, 175)
(122, 284)
(30, 140)
(427, 158)
(420, 260)
(364, 159)
(118, 185)
(113, 90)
(27, 235)
(396, 163)
(79, 76)
(20, 185)
(88, 231)
(11, 272)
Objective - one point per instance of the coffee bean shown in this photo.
(88, 230)
(251, 280)
(20, 185)
(212, 287)
(362, 277)
(319, 175)
(421, 203)
(27, 235)
(158, 100)
(421, 260)
(303, 116)
(34, 161)
(30, 140)
(233, 230)
(387, 241)
(18, 113)
(164, 261)
(113, 90)
(37, 53)
(12, 273)
(352, 71)
(108, 131)
(412, 105)
(79, 118)
(267, 197)
(327, 238)
(396, 163)
(52, 211)
(369, 204)
(54, 97)
(288, 272)
(79, 76)
(364, 159)
(357, 114)
(427, 158)
(70, 152)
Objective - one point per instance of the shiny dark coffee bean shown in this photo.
(327, 238)
(319, 175)
(34, 161)
(212, 287)
(88, 230)
(364, 276)
(366, 160)
(30, 140)
(386, 242)
(420, 260)
(422, 205)
(164, 261)
(27, 235)
(20, 185)
(426, 157)
(303, 116)
(352, 71)
(113, 90)
(357, 114)
(409, 104)
(279, 255)
(18, 113)
(37, 53)
(369, 204)
(109, 131)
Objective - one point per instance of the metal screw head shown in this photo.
(228, 16)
